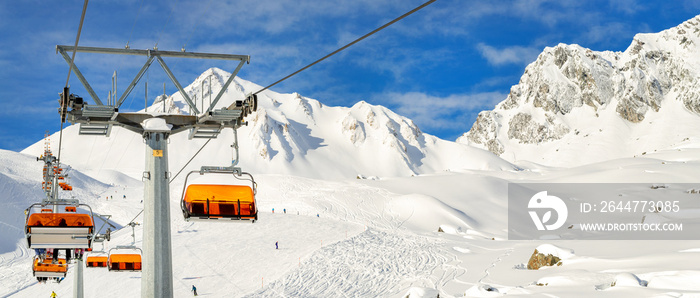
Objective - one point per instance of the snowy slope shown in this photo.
(289, 134)
(575, 106)
(379, 238)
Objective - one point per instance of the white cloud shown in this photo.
(434, 112)
(628, 7)
(607, 32)
(508, 55)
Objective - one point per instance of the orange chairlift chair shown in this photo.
(45, 268)
(126, 258)
(220, 201)
(97, 259)
(68, 229)
(124, 261)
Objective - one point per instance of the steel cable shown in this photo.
(350, 44)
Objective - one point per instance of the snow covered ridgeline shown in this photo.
(620, 104)
(289, 134)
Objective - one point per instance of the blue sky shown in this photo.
(439, 67)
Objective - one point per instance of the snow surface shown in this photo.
(371, 238)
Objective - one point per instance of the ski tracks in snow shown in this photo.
(501, 257)
(371, 264)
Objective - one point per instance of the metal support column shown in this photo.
(78, 279)
(157, 276)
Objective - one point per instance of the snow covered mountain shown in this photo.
(289, 134)
(576, 106)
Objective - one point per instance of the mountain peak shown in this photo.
(570, 89)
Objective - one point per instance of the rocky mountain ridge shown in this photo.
(569, 89)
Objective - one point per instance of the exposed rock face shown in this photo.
(539, 260)
(523, 128)
(567, 81)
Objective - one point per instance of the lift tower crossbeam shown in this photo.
(156, 278)
(151, 54)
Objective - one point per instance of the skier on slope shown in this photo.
(194, 290)
(276, 245)
(53, 294)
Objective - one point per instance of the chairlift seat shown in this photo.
(124, 262)
(96, 261)
(59, 230)
(46, 268)
(213, 201)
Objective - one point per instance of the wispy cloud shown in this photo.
(508, 55)
(607, 33)
(433, 113)
(628, 7)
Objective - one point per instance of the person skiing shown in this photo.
(285, 210)
(277, 245)
(194, 290)
(53, 294)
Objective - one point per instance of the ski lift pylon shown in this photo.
(220, 201)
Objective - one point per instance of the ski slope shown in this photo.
(372, 238)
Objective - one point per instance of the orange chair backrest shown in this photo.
(219, 193)
(59, 219)
(125, 262)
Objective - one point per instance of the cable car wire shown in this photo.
(138, 12)
(167, 21)
(350, 44)
(188, 162)
(77, 38)
(206, 9)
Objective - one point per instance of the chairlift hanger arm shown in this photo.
(105, 220)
